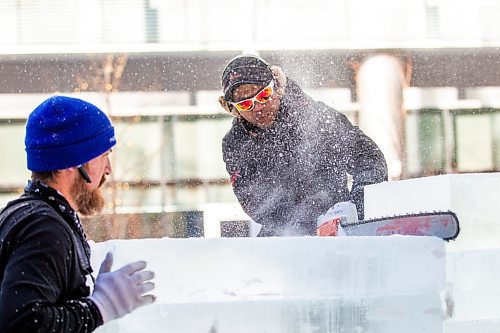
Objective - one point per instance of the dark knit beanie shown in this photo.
(245, 69)
(64, 132)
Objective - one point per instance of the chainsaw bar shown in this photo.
(441, 224)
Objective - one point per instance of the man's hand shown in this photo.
(120, 292)
(330, 223)
(329, 228)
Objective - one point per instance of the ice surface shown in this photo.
(473, 326)
(350, 284)
(472, 294)
(475, 198)
(472, 281)
(301, 284)
(387, 314)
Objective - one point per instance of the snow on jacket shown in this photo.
(286, 175)
(42, 278)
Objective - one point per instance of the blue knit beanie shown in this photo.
(64, 132)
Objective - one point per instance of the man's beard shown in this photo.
(87, 202)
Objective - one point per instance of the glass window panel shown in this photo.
(496, 138)
(412, 144)
(133, 199)
(474, 142)
(191, 196)
(8, 20)
(184, 141)
(137, 155)
(329, 17)
(203, 24)
(198, 148)
(13, 169)
(123, 21)
(386, 20)
(431, 141)
(221, 193)
(38, 22)
(144, 225)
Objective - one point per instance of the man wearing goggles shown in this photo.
(289, 156)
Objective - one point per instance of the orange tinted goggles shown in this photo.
(261, 97)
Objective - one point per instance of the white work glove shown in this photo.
(122, 291)
(329, 224)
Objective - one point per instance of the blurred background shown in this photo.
(421, 77)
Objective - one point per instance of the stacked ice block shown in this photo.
(302, 284)
(473, 291)
(475, 198)
(472, 262)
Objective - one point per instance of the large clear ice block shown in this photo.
(475, 198)
(473, 291)
(301, 284)
(381, 314)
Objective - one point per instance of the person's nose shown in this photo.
(258, 107)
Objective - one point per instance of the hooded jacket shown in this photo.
(44, 263)
(286, 175)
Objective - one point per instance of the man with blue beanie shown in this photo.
(44, 255)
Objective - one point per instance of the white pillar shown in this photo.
(379, 90)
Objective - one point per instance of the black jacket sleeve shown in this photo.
(36, 278)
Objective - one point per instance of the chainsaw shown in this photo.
(440, 224)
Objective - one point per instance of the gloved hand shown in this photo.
(120, 292)
(329, 228)
(330, 223)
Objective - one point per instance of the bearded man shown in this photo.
(44, 254)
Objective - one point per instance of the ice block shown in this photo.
(475, 198)
(296, 284)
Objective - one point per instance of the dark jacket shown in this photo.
(287, 175)
(42, 271)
